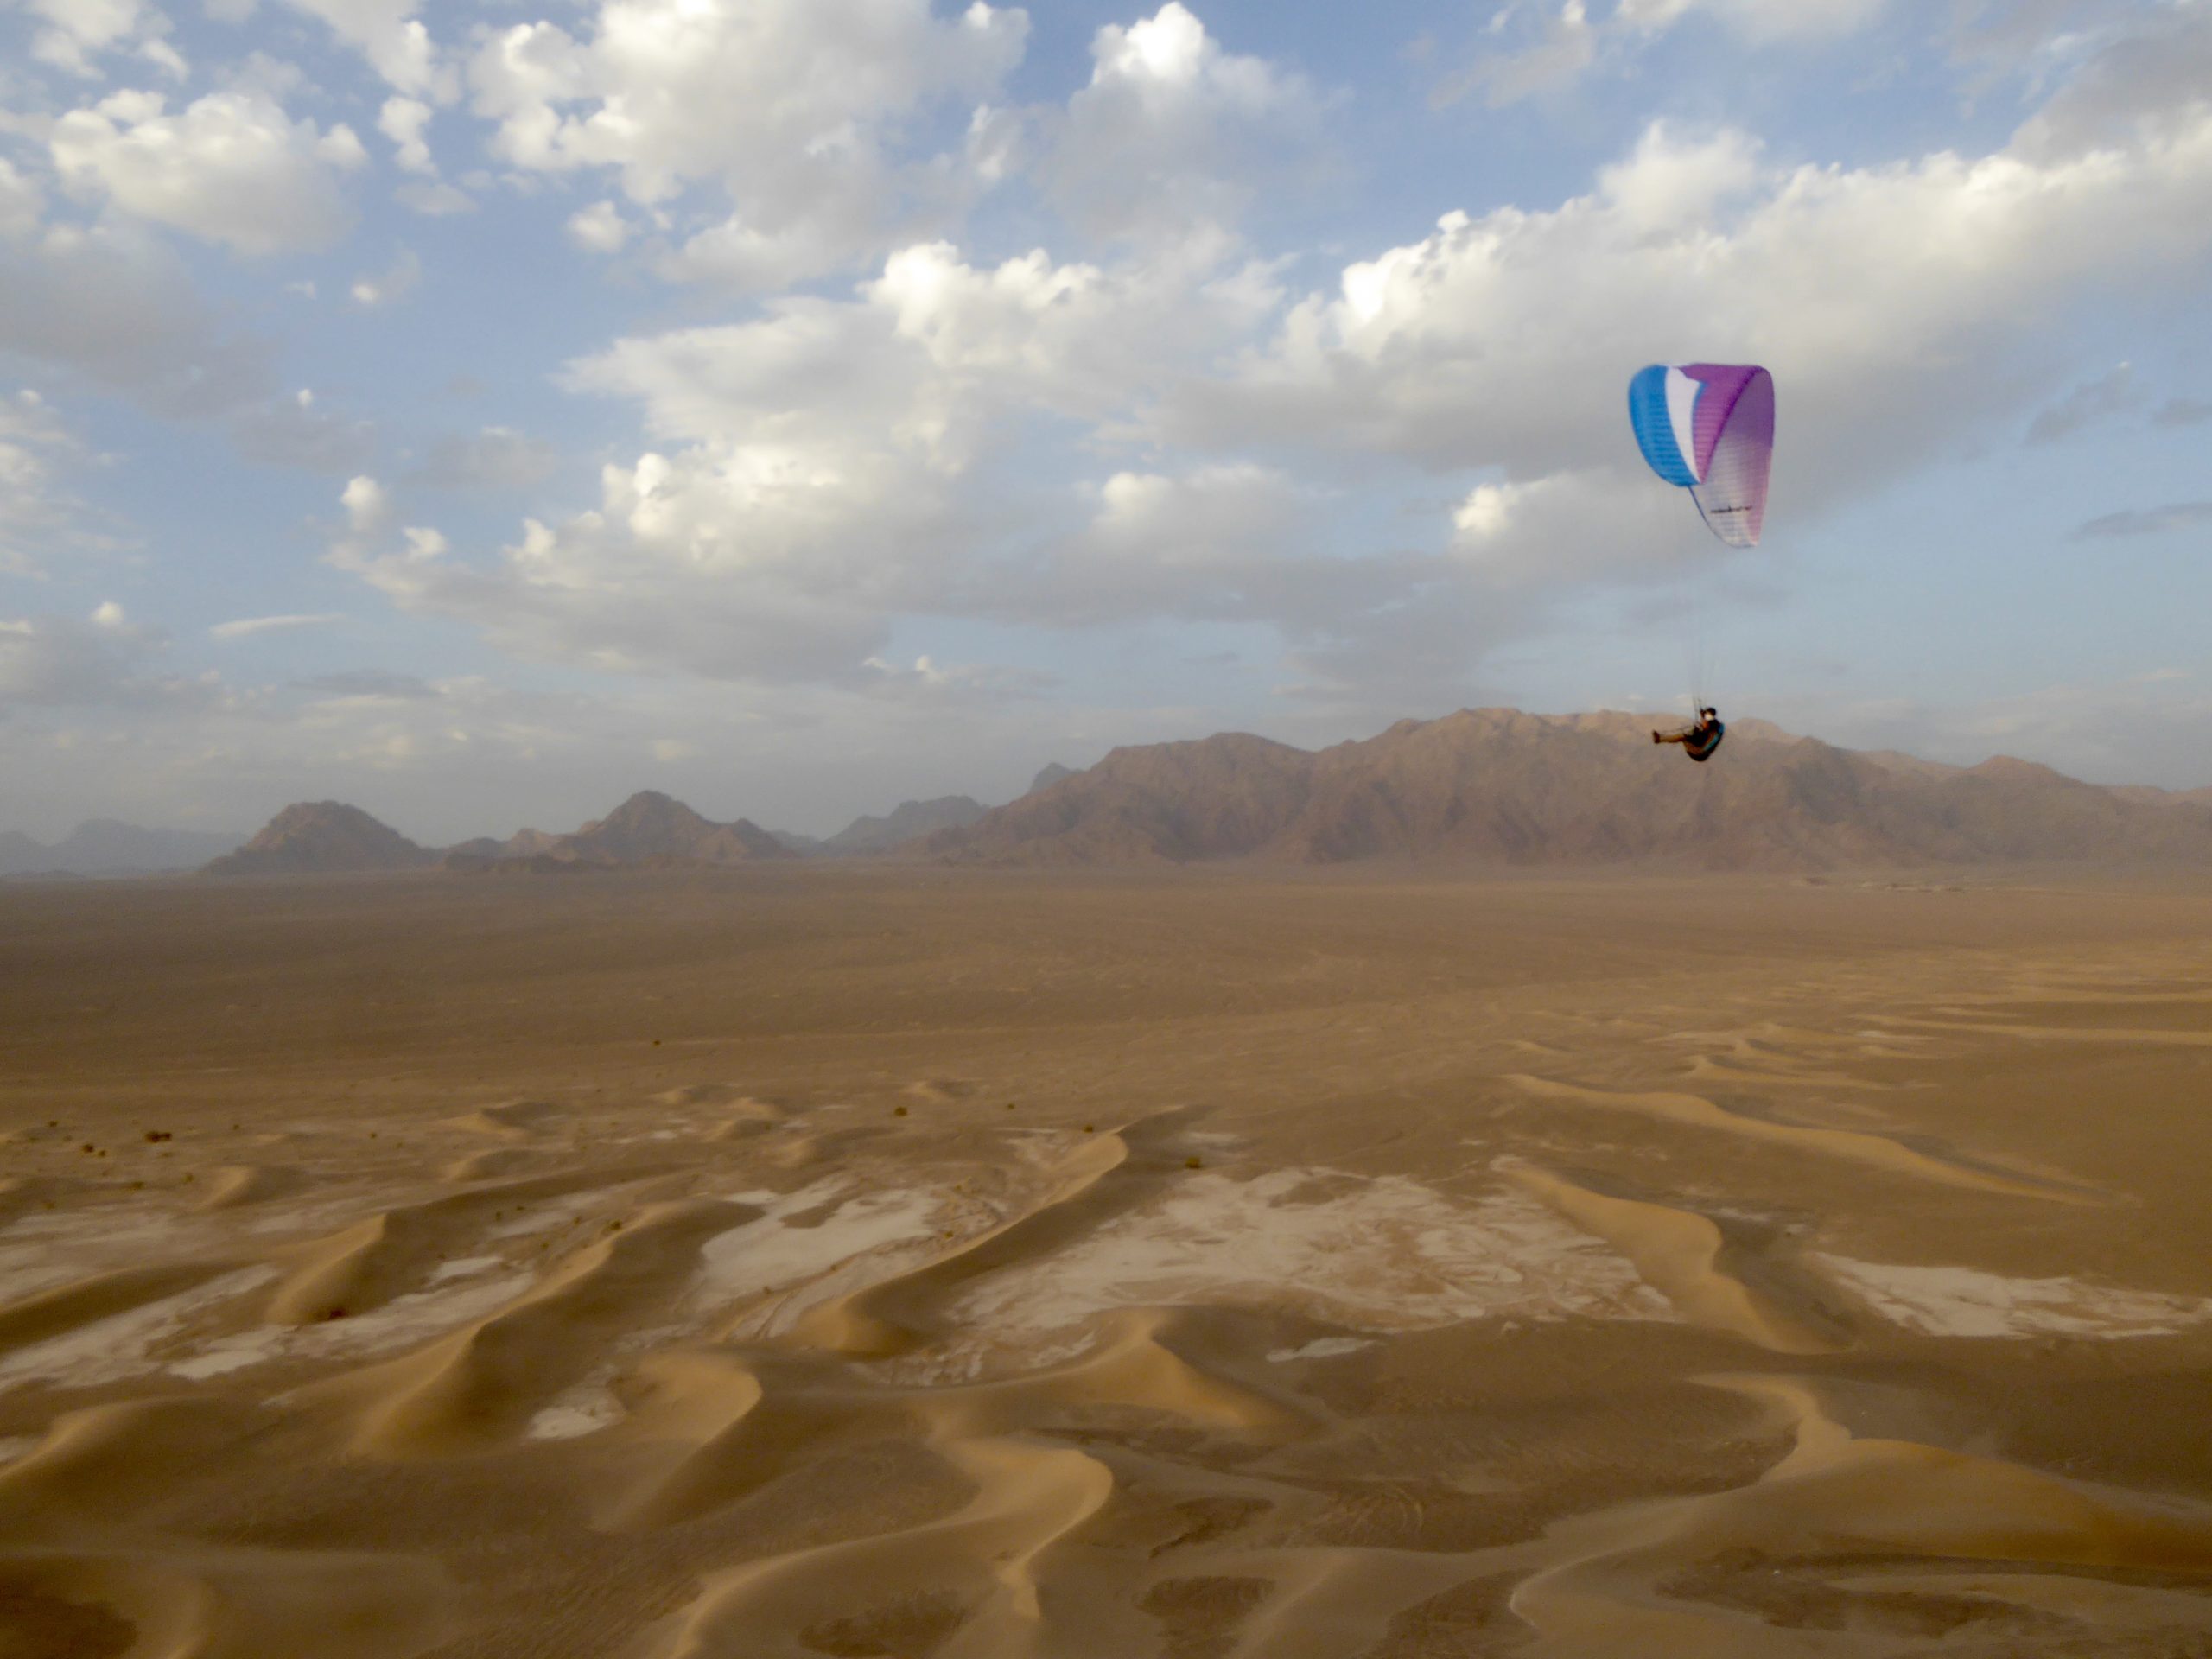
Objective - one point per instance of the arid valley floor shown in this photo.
(906, 1262)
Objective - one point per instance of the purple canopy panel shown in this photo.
(1733, 435)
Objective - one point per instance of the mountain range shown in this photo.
(648, 829)
(106, 846)
(1496, 786)
(1482, 787)
(906, 822)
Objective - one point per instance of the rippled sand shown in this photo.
(910, 1263)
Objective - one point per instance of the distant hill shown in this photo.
(1052, 774)
(107, 847)
(1496, 786)
(906, 822)
(323, 838)
(21, 855)
(650, 828)
(2197, 800)
(650, 825)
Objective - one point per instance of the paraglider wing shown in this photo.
(1708, 428)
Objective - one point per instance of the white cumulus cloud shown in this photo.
(230, 167)
(368, 508)
(786, 110)
(77, 33)
(1174, 131)
(598, 228)
(405, 121)
(391, 37)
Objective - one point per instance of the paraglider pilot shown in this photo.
(1697, 741)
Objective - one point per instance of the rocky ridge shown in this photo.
(1496, 786)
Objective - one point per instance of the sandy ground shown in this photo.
(901, 1262)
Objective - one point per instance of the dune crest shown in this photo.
(1685, 1257)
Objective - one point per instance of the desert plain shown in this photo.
(937, 1264)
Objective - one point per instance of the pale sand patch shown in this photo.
(466, 1267)
(1320, 1348)
(769, 1254)
(404, 1319)
(544, 1217)
(67, 1245)
(1381, 1254)
(1963, 1302)
(27, 1269)
(122, 1345)
(233, 1353)
(583, 1410)
(408, 1318)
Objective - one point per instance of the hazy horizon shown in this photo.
(478, 414)
(716, 808)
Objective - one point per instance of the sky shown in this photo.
(477, 412)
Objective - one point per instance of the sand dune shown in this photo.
(1689, 1259)
(1881, 1152)
(487, 1383)
(363, 1267)
(1835, 1496)
(241, 1184)
(964, 1584)
(1320, 1269)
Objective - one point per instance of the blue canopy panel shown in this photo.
(1661, 405)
